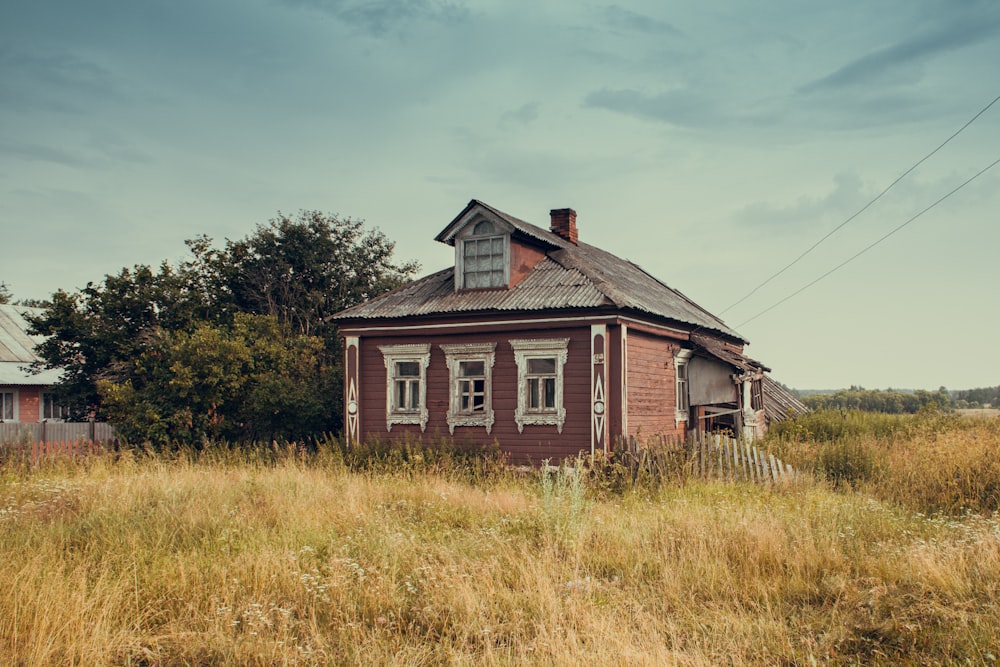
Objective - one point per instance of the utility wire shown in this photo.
(871, 245)
(862, 209)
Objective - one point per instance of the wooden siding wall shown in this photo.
(535, 444)
(651, 386)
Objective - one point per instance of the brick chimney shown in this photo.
(564, 224)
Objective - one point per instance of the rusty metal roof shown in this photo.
(17, 348)
(571, 276)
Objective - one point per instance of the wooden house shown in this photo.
(543, 344)
(23, 396)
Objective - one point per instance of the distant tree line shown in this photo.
(977, 398)
(877, 400)
(233, 343)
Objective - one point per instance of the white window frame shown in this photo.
(500, 232)
(15, 405)
(543, 348)
(419, 353)
(454, 354)
(49, 397)
(682, 388)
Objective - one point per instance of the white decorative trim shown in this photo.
(353, 407)
(624, 360)
(420, 353)
(598, 401)
(453, 354)
(539, 348)
(681, 358)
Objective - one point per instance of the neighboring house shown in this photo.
(23, 396)
(545, 345)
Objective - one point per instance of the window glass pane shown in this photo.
(496, 246)
(472, 369)
(400, 394)
(549, 400)
(407, 369)
(483, 228)
(682, 372)
(533, 393)
(414, 395)
(542, 366)
(470, 248)
(7, 399)
(497, 263)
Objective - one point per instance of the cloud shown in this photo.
(679, 107)
(378, 17)
(895, 63)
(521, 116)
(40, 153)
(37, 80)
(626, 19)
(847, 195)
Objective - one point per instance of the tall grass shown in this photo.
(295, 557)
(930, 462)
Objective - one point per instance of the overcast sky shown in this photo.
(711, 143)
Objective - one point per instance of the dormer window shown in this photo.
(483, 257)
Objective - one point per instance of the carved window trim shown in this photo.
(391, 355)
(454, 354)
(682, 384)
(541, 348)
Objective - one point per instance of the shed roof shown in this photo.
(779, 403)
(571, 276)
(17, 348)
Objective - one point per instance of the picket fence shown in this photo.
(704, 455)
(54, 439)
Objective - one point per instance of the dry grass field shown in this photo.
(293, 559)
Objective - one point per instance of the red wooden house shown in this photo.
(545, 345)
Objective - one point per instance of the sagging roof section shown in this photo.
(17, 348)
(571, 276)
(779, 403)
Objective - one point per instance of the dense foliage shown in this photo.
(975, 398)
(233, 343)
(877, 400)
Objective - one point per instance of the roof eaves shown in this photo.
(447, 235)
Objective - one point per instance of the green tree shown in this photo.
(5, 295)
(234, 342)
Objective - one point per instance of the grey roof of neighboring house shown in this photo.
(571, 276)
(17, 348)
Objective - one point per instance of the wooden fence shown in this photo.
(705, 456)
(53, 439)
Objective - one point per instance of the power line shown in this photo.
(862, 209)
(871, 245)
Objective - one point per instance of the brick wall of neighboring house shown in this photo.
(30, 404)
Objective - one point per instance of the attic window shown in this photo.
(482, 257)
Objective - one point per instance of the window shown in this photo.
(52, 411)
(683, 404)
(470, 367)
(8, 410)
(540, 381)
(484, 257)
(406, 384)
